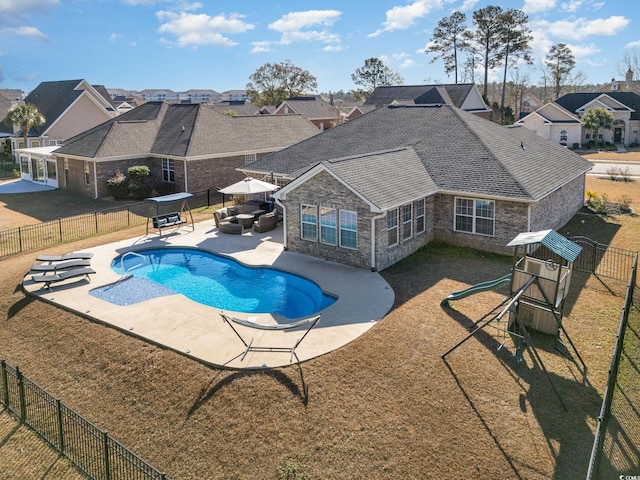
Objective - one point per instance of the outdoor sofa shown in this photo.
(266, 222)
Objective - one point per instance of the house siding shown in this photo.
(556, 209)
(323, 190)
(510, 219)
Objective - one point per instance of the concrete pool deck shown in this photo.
(197, 330)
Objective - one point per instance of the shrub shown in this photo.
(575, 146)
(118, 185)
(292, 470)
(139, 187)
(625, 204)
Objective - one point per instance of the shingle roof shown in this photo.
(420, 94)
(459, 151)
(573, 101)
(313, 107)
(53, 98)
(186, 130)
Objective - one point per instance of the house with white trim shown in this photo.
(561, 120)
(375, 189)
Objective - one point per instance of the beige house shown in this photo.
(561, 121)
(69, 108)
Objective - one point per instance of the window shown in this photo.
(35, 143)
(87, 174)
(475, 216)
(392, 226)
(168, 172)
(249, 158)
(419, 213)
(587, 136)
(328, 225)
(24, 164)
(309, 222)
(563, 135)
(407, 222)
(348, 229)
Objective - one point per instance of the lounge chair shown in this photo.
(66, 256)
(57, 266)
(249, 347)
(48, 279)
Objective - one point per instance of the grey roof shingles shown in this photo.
(186, 130)
(459, 151)
(573, 101)
(421, 94)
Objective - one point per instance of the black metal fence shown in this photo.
(89, 448)
(68, 229)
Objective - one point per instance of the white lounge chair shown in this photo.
(57, 266)
(66, 256)
(48, 279)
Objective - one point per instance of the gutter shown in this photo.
(284, 221)
(373, 238)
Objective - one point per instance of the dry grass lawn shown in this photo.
(386, 406)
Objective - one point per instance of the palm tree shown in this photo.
(596, 119)
(26, 115)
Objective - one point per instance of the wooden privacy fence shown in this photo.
(89, 448)
(69, 229)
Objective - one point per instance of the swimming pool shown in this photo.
(224, 283)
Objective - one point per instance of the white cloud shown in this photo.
(407, 63)
(201, 29)
(633, 44)
(28, 32)
(571, 5)
(333, 48)
(580, 28)
(467, 5)
(402, 18)
(24, 7)
(299, 26)
(534, 6)
(261, 47)
(114, 37)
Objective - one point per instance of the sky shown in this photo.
(218, 44)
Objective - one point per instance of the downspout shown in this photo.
(373, 238)
(95, 180)
(186, 178)
(284, 222)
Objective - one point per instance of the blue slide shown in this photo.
(480, 287)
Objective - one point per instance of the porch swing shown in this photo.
(175, 218)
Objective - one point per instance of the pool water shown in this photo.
(226, 284)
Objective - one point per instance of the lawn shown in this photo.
(385, 406)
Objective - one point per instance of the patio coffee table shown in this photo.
(245, 219)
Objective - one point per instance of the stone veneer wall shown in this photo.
(556, 209)
(325, 191)
(511, 219)
(386, 255)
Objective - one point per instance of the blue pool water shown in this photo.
(219, 282)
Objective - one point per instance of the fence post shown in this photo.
(95, 217)
(23, 403)
(128, 216)
(107, 466)
(5, 386)
(60, 228)
(208, 196)
(60, 429)
(20, 238)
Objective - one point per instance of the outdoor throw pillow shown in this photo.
(233, 211)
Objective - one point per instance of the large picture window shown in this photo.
(392, 226)
(168, 172)
(419, 210)
(475, 216)
(348, 229)
(328, 226)
(309, 222)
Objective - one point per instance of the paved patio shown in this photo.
(198, 331)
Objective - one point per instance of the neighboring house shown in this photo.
(188, 147)
(234, 96)
(464, 96)
(69, 107)
(320, 112)
(237, 108)
(560, 121)
(626, 85)
(375, 189)
(159, 95)
(356, 111)
(123, 103)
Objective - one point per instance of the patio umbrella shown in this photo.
(248, 186)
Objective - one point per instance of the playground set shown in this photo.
(537, 293)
